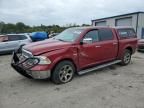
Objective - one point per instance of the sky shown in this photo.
(62, 12)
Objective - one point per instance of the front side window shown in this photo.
(93, 35)
(69, 35)
(22, 37)
(105, 34)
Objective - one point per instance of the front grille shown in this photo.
(29, 62)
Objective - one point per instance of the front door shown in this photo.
(89, 51)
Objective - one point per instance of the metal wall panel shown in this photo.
(101, 23)
(124, 21)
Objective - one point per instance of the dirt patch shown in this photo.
(112, 87)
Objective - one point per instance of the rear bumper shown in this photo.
(25, 70)
(141, 47)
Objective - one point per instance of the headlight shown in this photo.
(43, 60)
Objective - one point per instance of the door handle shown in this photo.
(97, 46)
(115, 43)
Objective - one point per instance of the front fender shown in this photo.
(63, 54)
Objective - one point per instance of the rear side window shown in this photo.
(3, 38)
(105, 34)
(126, 33)
(16, 37)
(13, 37)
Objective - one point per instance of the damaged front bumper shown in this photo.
(24, 67)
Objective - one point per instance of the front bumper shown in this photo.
(24, 67)
(39, 74)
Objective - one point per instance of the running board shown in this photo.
(98, 67)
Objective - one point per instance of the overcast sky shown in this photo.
(47, 12)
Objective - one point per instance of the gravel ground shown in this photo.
(112, 87)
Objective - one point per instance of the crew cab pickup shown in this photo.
(76, 50)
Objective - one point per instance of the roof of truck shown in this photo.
(97, 27)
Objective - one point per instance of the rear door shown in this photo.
(13, 42)
(108, 44)
(4, 43)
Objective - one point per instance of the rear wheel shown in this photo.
(126, 57)
(63, 72)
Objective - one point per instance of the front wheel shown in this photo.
(63, 72)
(126, 57)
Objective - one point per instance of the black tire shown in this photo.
(126, 57)
(61, 71)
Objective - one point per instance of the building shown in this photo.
(135, 20)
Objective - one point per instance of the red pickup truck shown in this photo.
(75, 50)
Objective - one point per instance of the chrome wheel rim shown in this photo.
(127, 58)
(66, 73)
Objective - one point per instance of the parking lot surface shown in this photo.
(112, 87)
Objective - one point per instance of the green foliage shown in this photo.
(22, 28)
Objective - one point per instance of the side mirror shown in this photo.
(87, 40)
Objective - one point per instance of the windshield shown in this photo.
(69, 35)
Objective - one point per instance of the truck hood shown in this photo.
(48, 45)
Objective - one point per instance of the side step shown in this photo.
(98, 67)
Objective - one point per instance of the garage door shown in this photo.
(101, 23)
(124, 22)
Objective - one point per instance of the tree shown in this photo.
(85, 25)
(1, 26)
(20, 27)
(9, 28)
